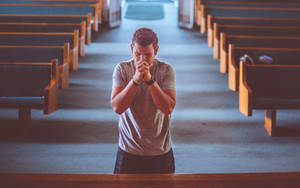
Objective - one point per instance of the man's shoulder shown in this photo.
(163, 66)
(124, 65)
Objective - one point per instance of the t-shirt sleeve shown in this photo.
(168, 78)
(118, 79)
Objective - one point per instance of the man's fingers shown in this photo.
(143, 69)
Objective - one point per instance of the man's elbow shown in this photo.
(118, 111)
(116, 108)
(169, 109)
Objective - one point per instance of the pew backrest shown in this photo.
(245, 11)
(53, 9)
(258, 21)
(261, 41)
(32, 85)
(41, 39)
(280, 56)
(33, 53)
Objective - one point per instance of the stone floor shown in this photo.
(209, 134)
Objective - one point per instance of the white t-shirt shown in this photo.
(143, 128)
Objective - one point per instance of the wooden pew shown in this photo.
(26, 86)
(279, 55)
(261, 3)
(225, 180)
(269, 87)
(47, 27)
(260, 21)
(253, 41)
(44, 39)
(251, 30)
(54, 9)
(98, 3)
(31, 18)
(246, 11)
(40, 54)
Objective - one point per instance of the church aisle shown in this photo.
(209, 134)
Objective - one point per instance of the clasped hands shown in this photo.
(142, 72)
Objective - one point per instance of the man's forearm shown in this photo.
(123, 99)
(161, 99)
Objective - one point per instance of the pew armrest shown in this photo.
(245, 93)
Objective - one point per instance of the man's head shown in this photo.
(144, 45)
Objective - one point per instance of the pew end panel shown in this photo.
(89, 29)
(233, 71)
(223, 54)
(216, 51)
(75, 53)
(96, 19)
(82, 38)
(197, 11)
(64, 69)
(210, 31)
(51, 90)
(245, 92)
(202, 20)
(198, 14)
(100, 12)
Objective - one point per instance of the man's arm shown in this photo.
(164, 100)
(122, 97)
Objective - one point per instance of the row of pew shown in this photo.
(266, 35)
(40, 43)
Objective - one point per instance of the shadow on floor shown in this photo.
(288, 131)
(61, 131)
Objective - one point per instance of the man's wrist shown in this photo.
(135, 83)
(147, 77)
(150, 82)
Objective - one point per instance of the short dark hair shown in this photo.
(144, 37)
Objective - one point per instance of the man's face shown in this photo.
(146, 53)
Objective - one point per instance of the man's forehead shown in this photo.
(139, 47)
